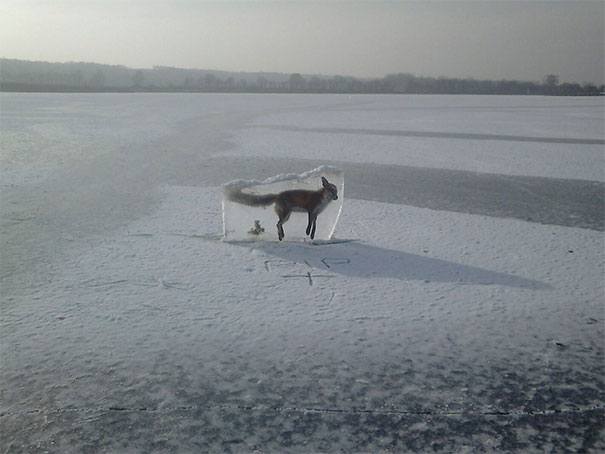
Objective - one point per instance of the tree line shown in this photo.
(20, 75)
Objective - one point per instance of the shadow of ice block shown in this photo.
(252, 223)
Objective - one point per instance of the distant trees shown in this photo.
(138, 78)
(211, 82)
(97, 79)
(551, 80)
(19, 75)
(76, 78)
(398, 83)
(262, 83)
(296, 82)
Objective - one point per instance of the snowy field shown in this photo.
(460, 307)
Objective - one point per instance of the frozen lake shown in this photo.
(464, 311)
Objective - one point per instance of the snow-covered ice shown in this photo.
(525, 136)
(129, 325)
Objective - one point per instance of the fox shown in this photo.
(298, 200)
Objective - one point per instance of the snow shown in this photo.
(523, 136)
(129, 324)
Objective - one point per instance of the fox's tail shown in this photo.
(237, 195)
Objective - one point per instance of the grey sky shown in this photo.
(483, 39)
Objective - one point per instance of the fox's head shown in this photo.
(331, 189)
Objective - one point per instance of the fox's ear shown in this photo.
(324, 182)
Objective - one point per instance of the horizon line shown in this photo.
(317, 74)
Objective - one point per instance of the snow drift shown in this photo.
(242, 222)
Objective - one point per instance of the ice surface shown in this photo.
(127, 325)
(531, 136)
(242, 222)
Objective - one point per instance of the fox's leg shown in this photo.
(311, 225)
(280, 224)
(280, 230)
(283, 214)
(310, 222)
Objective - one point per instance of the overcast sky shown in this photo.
(483, 39)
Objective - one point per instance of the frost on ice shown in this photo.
(244, 222)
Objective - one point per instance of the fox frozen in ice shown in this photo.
(301, 200)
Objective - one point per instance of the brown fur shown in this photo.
(313, 202)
